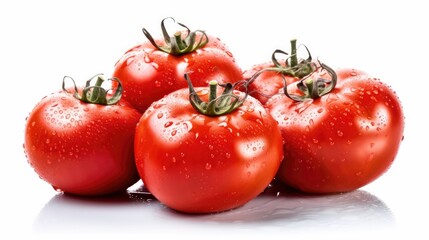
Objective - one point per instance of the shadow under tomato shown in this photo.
(277, 209)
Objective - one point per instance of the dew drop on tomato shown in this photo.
(168, 124)
(208, 166)
(223, 124)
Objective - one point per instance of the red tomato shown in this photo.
(342, 140)
(268, 78)
(196, 163)
(83, 148)
(151, 70)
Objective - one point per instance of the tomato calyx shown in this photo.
(293, 66)
(96, 94)
(178, 44)
(313, 89)
(216, 105)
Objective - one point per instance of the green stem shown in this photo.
(96, 93)
(313, 89)
(213, 88)
(293, 56)
(216, 105)
(178, 44)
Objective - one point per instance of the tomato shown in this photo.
(267, 79)
(83, 148)
(339, 140)
(208, 161)
(155, 68)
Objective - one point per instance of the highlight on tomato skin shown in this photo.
(83, 148)
(196, 163)
(342, 140)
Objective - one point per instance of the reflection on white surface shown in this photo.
(277, 210)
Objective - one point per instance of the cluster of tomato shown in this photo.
(206, 149)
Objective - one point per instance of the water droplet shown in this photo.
(154, 65)
(146, 58)
(303, 105)
(223, 124)
(168, 124)
(208, 166)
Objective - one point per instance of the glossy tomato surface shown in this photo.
(343, 140)
(198, 164)
(148, 74)
(82, 148)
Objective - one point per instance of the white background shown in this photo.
(41, 41)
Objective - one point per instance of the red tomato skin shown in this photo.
(268, 83)
(81, 148)
(343, 140)
(148, 74)
(199, 164)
